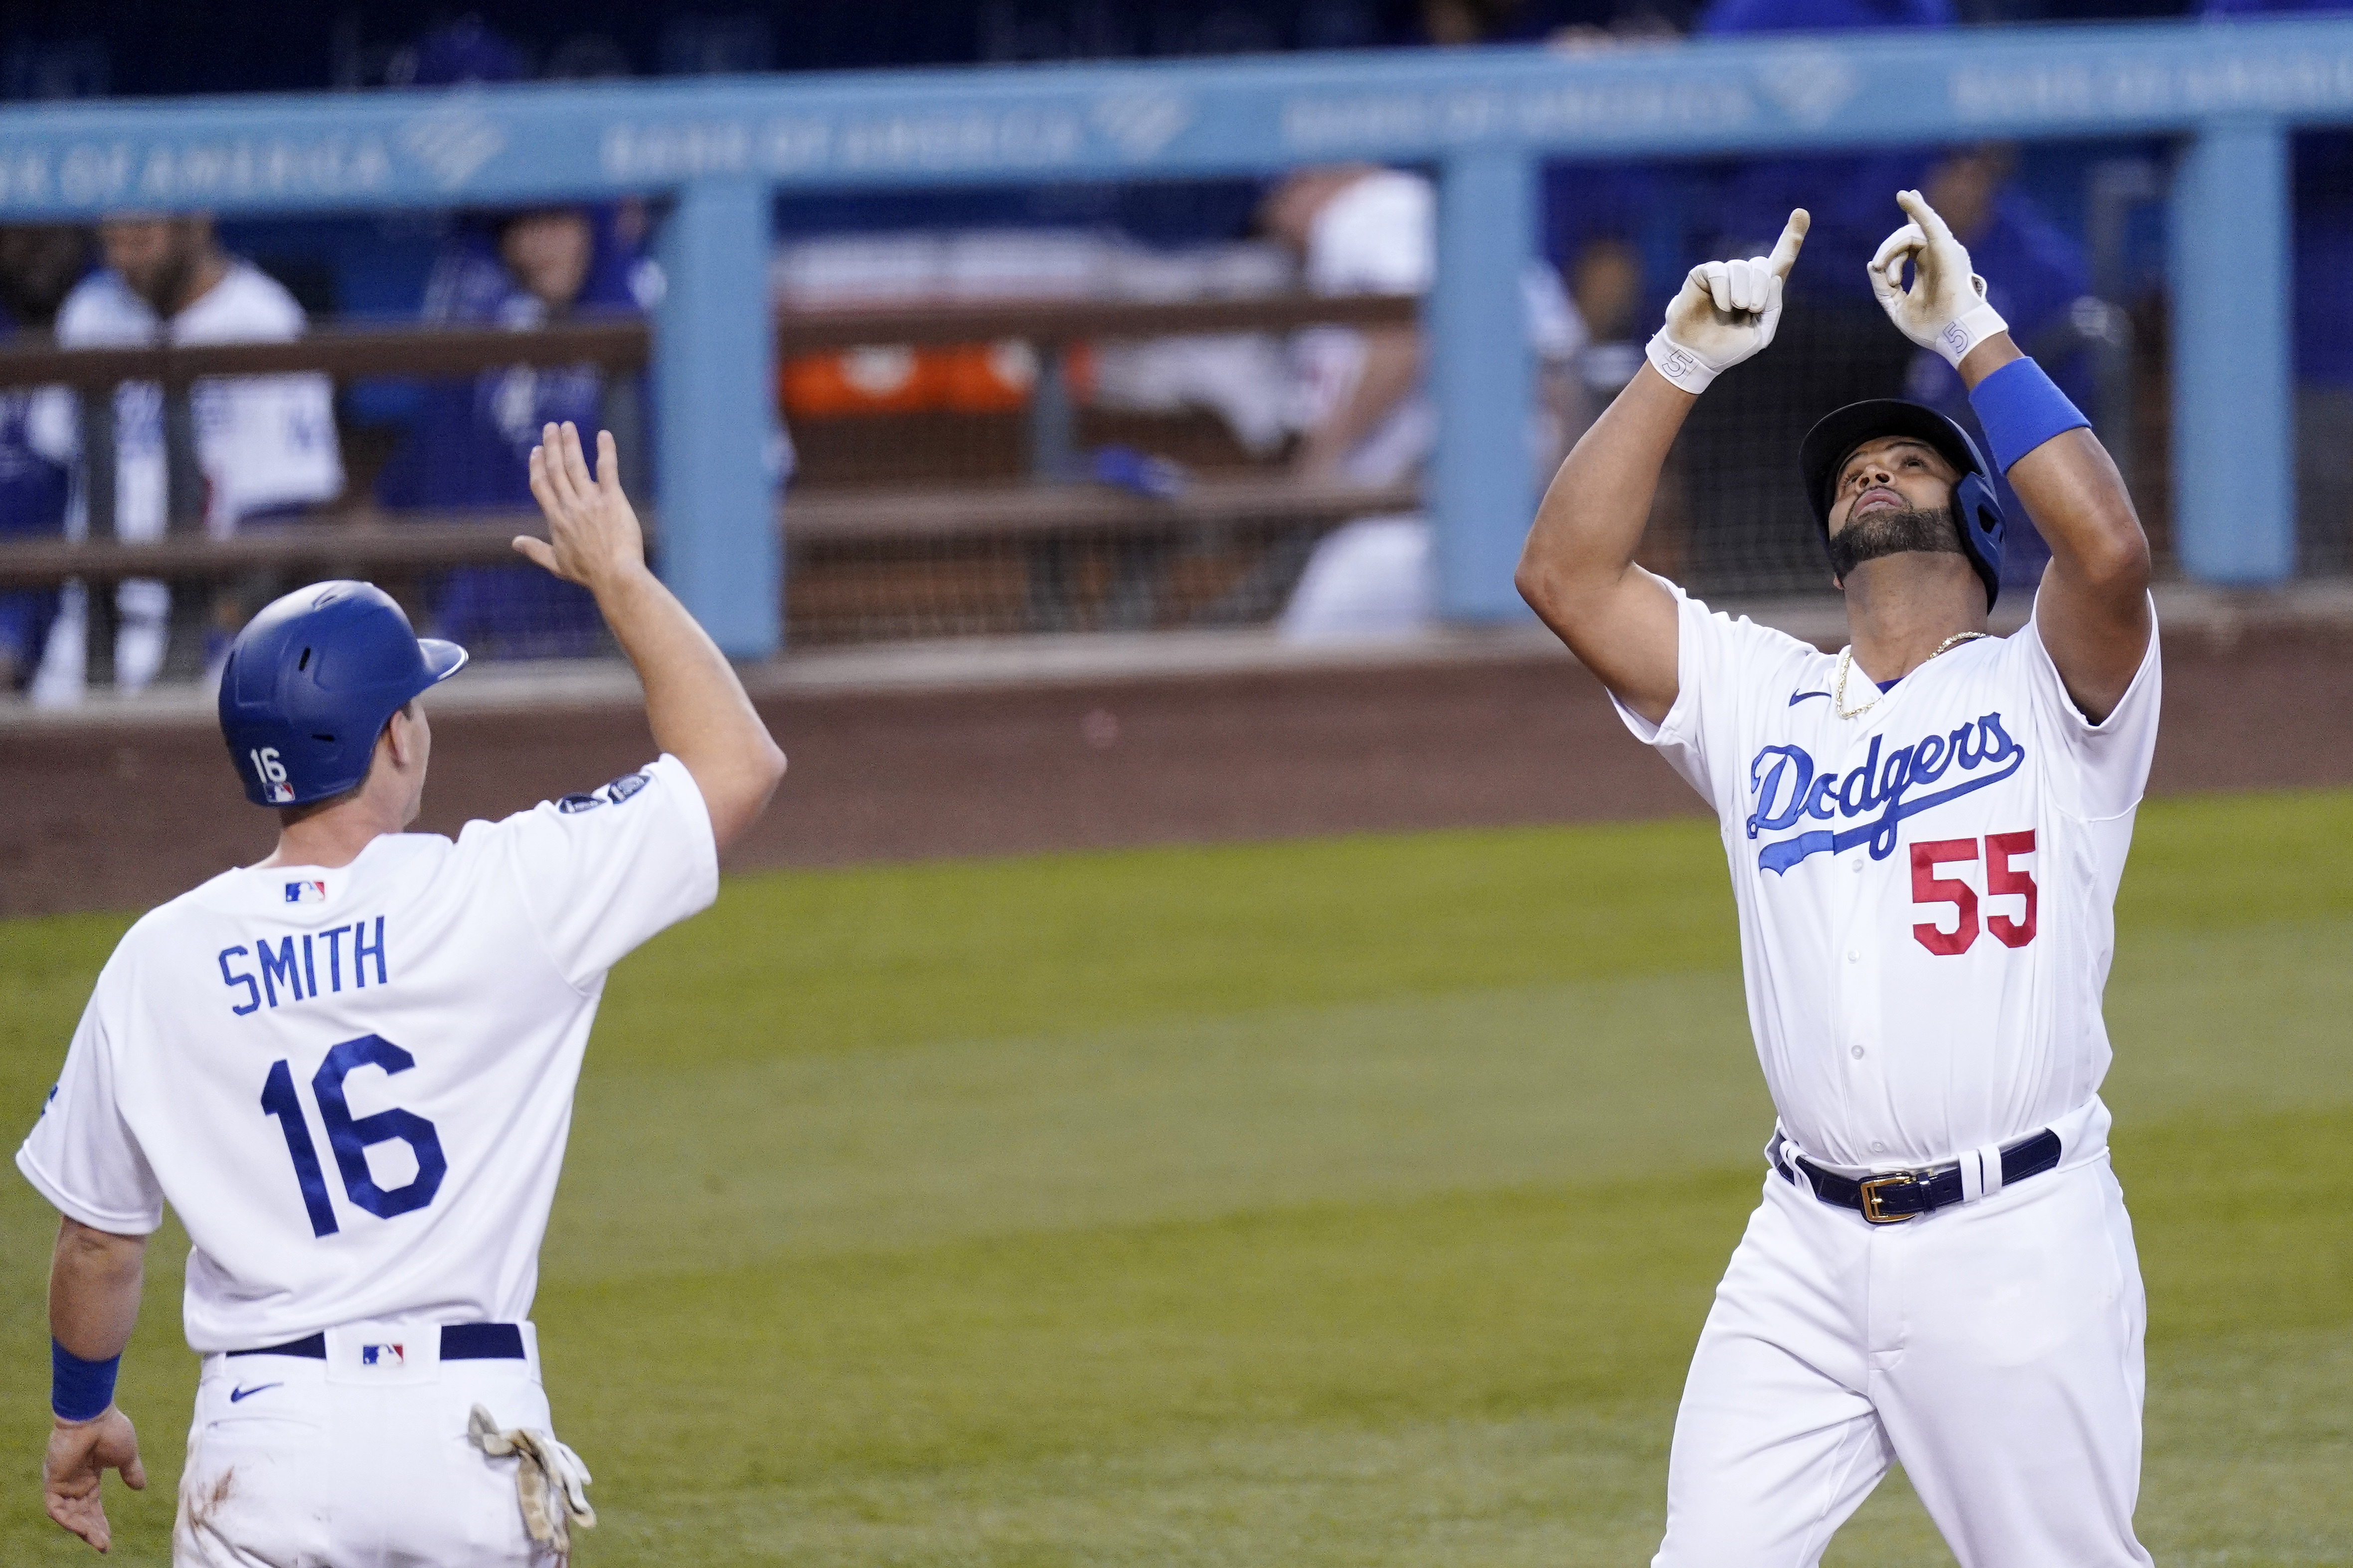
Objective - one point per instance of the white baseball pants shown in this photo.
(356, 1461)
(1993, 1348)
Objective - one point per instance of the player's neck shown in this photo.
(337, 836)
(1900, 608)
(204, 275)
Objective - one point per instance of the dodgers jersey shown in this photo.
(1926, 889)
(263, 440)
(353, 1084)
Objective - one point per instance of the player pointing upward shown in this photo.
(1925, 835)
(349, 1068)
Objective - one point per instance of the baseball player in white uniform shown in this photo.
(349, 1068)
(1926, 833)
(264, 442)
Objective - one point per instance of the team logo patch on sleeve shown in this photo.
(613, 793)
(307, 892)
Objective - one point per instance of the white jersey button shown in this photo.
(1852, 956)
(1858, 1053)
(1877, 1148)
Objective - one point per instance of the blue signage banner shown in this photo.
(1171, 118)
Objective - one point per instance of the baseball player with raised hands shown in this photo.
(349, 1069)
(1925, 834)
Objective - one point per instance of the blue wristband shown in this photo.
(2021, 407)
(80, 1389)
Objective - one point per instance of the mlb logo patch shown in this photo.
(383, 1355)
(311, 892)
(279, 793)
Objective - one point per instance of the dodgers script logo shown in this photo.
(1788, 791)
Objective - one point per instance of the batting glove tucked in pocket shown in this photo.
(551, 1481)
(1724, 312)
(1945, 308)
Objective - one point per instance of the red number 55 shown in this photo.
(2001, 878)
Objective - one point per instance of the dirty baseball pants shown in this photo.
(350, 1462)
(1993, 1348)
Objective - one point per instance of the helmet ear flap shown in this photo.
(1983, 530)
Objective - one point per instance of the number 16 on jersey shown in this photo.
(351, 1137)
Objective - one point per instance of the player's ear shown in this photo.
(400, 734)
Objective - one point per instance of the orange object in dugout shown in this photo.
(898, 378)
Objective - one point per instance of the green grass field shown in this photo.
(1350, 1202)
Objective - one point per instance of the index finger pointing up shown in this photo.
(1786, 248)
(1915, 206)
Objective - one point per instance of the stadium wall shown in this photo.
(719, 149)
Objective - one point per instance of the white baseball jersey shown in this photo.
(1379, 236)
(353, 1084)
(1926, 891)
(263, 441)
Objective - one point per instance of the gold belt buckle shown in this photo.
(1871, 1212)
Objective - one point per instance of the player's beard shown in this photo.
(1931, 530)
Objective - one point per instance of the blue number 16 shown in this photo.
(351, 1137)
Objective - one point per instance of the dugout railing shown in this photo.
(1048, 551)
(2227, 95)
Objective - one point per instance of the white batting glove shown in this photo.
(1724, 312)
(551, 1483)
(1945, 308)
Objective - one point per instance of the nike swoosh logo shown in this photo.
(237, 1394)
(1801, 696)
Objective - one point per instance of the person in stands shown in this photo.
(233, 451)
(1363, 411)
(466, 451)
(39, 264)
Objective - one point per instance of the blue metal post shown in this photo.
(1483, 377)
(2234, 417)
(714, 395)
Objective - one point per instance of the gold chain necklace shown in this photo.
(1846, 663)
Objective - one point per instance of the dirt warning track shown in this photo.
(124, 816)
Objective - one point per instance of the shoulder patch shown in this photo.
(613, 793)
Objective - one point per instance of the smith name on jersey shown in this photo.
(353, 1083)
(1926, 887)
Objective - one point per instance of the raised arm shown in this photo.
(698, 710)
(1578, 569)
(94, 1279)
(2093, 609)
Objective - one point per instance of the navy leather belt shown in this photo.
(1895, 1196)
(460, 1341)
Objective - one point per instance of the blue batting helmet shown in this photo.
(311, 682)
(1837, 432)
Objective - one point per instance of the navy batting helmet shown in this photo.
(311, 682)
(1837, 432)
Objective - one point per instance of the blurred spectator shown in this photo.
(470, 445)
(1364, 414)
(465, 50)
(38, 266)
(2323, 193)
(1601, 222)
(1750, 524)
(232, 451)
(1358, 229)
(1449, 23)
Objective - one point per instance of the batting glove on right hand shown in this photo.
(1724, 312)
(1945, 308)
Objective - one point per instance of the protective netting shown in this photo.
(1047, 477)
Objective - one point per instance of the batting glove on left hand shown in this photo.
(1724, 312)
(1945, 308)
